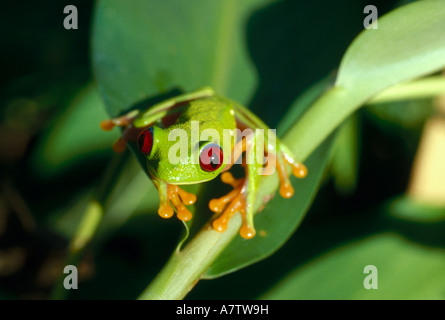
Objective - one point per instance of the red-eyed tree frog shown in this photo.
(214, 133)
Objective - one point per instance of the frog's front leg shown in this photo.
(172, 196)
(129, 133)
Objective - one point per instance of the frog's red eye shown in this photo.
(211, 157)
(145, 141)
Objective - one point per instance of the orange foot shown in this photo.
(234, 201)
(129, 133)
(299, 170)
(179, 199)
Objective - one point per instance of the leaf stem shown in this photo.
(336, 104)
(419, 89)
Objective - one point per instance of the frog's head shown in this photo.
(177, 161)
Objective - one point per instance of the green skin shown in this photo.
(212, 112)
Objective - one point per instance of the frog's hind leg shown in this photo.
(129, 132)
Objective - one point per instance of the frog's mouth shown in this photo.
(177, 181)
(174, 182)
(184, 182)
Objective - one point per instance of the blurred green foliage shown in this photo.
(53, 156)
(398, 276)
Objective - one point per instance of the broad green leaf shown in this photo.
(405, 270)
(409, 43)
(147, 48)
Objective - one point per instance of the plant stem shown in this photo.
(336, 104)
(422, 88)
(185, 267)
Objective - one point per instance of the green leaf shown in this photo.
(147, 48)
(405, 270)
(408, 44)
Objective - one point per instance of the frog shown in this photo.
(200, 119)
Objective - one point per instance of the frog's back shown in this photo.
(213, 112)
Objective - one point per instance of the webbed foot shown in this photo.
(125, 121)
(299, 170)
(228, 205)
(179, 199)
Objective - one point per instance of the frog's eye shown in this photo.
(211, 157)
(145, 141)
